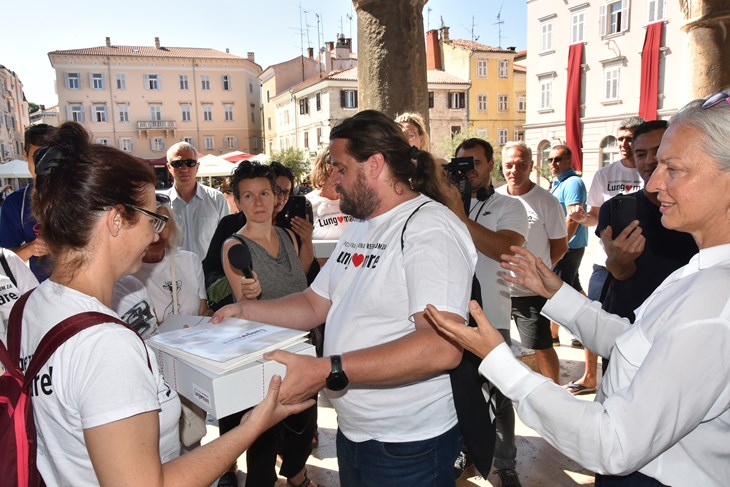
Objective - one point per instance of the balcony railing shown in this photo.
(156, 125)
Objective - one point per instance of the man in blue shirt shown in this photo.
(18, 230)
(570, 190)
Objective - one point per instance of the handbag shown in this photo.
(192, 423)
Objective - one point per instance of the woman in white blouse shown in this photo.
(662, 416)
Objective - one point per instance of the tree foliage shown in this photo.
(293, 158)
(32, 107)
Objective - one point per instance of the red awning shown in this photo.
(236, 156)
(154, 162)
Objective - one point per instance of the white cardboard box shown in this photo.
(228, 393)
(324, 248)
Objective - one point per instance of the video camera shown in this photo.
(457, 171)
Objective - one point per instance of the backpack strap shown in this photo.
(403, 232)
(6, 268)
(53, 339)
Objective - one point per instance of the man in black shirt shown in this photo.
(642, 255)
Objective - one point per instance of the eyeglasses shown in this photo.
(716, 99)
(555, 159)
(282, 193)
(158, 221)
(188, 162)
(410, 135)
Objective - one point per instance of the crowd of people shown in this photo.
(415, 260)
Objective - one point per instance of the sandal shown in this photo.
(228, 479)
(305, 483)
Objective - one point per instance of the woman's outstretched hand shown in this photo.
(530, 272)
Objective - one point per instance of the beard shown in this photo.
(361, 202)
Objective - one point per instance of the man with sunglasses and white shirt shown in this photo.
(197, 207)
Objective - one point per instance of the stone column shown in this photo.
(391, 51)
(707, 24)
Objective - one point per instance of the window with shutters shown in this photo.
(577, 21)
(152, 81)
(502, 136)
(348, 98)
(125, 144)
(102, 140)
(482, 67)
(482, 102)
(504, 68)
(655, 10)
(121, 81)
(185, 113)
(457, 99)
(228, 112)
(189, 140)
(157, 144)
(318, 101)
(123, 110)
(227, 83)
(207, 112)
(205, 82)
(614, 17)
(99, 113)
(209, 142)
(503, 103)
(546, 37)
(230, 141)
(184, 82)
(303, 106)
(155, 112)
(76, 112)
(72, 81)
(430, 99)
(97, 81)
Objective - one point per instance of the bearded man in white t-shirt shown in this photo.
(385, 367)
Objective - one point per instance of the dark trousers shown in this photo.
(636, 479)
(292, 438)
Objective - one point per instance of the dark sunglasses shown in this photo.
(188, 162)
(716, 99)
(554, 159)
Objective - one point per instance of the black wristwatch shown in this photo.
(337, 380)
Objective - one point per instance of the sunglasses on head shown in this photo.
(716, 99)
(252, 170)
(281, 170)
(188, 162)
(162, 199)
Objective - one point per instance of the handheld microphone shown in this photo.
(240, 258)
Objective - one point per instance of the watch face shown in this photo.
(337, 381)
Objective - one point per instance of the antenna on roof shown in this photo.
(442, 22)
(473, 37)
(349, 18)
(499, 22)
(428, 18)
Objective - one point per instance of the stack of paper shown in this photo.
(227, 345)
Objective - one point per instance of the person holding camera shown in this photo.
(495, 222)
(197, 208)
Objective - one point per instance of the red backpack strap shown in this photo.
(66, 329)
(15, 323)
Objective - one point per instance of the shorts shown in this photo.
(534, 328)
(567, 268)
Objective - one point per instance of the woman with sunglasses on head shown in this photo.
(173, 277)
(106, 418)
(662, 415)
(219, 293)
(277, 271)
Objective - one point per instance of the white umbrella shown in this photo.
(14, 169)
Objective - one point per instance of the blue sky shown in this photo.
(270, 28)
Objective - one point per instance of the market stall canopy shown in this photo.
(262, 158)
(211, 165)
(14, 169)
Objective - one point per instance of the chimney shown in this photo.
(108, 42)
(330, 46)
(444, 33)
(310, 52)
(433, 50)
(228, 51)
(157, 42)
(251, 56)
